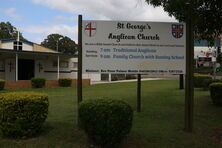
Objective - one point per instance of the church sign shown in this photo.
(133, 47)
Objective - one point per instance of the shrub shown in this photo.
(203, 70)
(130, 76)
(106, 122)
(216, 81)
(202, 81)
(65, 82)
(216, 93)
(38, 82)
(116, 77)
(2, 84)
(22, 114)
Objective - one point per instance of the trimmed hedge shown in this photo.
(117, 77)
(202, 81)
(2, 84)
(106, 122)
(204, 70)
(130, 76)
(65, 82)
(216, 81)
(38, 82)
(22, 114)
(216, 93)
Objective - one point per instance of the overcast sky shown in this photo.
(38, 18)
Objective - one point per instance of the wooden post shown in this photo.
(139, 93)
(189, 92)
(16, 67)
(58, 67)
(181, 81)
(79, 81)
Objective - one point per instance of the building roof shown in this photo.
(12, 40)
(36, 47)
(39, 48)
(2, 50)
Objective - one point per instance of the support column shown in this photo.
(16, 67)
(181, 81)
(79, 81)
(189, 91)
(139, 93)
(58, 67)
(109, 77)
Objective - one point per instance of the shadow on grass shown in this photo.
(52, 134)
(46, 128)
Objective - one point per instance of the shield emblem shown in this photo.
(177, 30)
(90, 29)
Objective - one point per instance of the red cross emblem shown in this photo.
(90, 28)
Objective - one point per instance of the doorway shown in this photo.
(25, 69)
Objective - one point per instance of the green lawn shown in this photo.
(159, 125)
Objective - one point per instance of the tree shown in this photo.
(7, 31)
(206, 15)
(63, 43)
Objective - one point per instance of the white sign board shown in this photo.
(133, 47)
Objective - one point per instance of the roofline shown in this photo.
(12, 39)
(35, 52)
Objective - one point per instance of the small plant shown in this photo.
(22, 114)
(203, 70)
(130, 76)
(216, 93)
(65, 82)
(202, 81)
(216, 81)
(114, 78)
(117, 77)
(106, 122)
(38, 82)
(2, 84)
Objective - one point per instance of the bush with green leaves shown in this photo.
(216, 93)
(216, 81)
(204, 70)
(65, 82)
(38, 82)
(130, 76)
(22, 114)
(106, 122)
(202, 81)
(2, 84)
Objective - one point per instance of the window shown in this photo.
(54, 64)
(17, 45)
(74, 65)
(64, 64)
(2, 65)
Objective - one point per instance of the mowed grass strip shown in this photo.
(159, 125)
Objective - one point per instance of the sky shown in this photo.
(38, 18)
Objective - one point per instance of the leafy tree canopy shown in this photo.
(8, 31)
(206, 15)
(63, 43)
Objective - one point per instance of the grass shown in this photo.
(159, 125)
